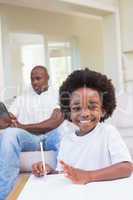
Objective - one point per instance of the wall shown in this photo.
(59, 26)
(1, 63)
(108, 2)
(100, 3)
(126, 15)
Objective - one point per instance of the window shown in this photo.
(28, 50)
(59, 61)
(31, 55)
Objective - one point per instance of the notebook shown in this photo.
(58, 187)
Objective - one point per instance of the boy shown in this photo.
(93, 151)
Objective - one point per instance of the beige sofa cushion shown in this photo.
(27, 159)
(123, 115)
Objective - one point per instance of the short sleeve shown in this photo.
(117, 148)
(60, 156)
(54, 94)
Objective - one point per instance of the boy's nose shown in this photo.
(85, 114)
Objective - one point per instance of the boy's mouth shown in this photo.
(83, 122)
(86, 126)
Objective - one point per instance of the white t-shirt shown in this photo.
(100, 148)
(33, 108)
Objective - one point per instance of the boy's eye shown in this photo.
(91, 107)
(76, 108)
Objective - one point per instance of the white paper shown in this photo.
(57, 187)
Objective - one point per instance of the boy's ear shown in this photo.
(67, 116)
(103, 113)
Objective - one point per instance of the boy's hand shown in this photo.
(77, 176)
(37, 169)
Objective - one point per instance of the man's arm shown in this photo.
(45, 126)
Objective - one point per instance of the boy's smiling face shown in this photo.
(86, 109)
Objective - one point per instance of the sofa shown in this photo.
(27, 159)
(122, 119)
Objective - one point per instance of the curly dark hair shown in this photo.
(90, 79)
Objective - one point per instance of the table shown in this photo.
(58, 187)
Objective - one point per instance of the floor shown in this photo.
(18, 187)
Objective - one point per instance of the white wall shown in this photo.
(90, 34)
(101, 4)
(1, 63)
(108, 2)
(126, 14)
(57, 26)
(89, 31)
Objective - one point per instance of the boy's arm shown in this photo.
(116, 171)
(47, 125)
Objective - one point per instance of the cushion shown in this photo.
(123, 115)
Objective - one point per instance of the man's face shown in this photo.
(86, 109)
(39, 80)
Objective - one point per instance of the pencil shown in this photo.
(43, 158)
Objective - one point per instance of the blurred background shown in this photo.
(66, 35)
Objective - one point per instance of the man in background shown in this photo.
(34, 114)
